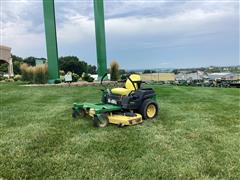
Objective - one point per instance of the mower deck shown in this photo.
(113, 113)
(123, 119)
(94, 109)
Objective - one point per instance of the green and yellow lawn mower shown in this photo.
(124, 106)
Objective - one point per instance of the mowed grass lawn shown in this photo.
(197, 135)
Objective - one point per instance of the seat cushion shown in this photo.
(121, 91)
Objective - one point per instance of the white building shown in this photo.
(199, 75)
(223, 76)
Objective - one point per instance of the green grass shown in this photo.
(197, 135)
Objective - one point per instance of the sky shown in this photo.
(139, 33)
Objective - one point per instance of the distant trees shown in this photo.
(147, 71)
(92, 69)
(175, 71)
(3, 66)
(67, 63)
(132, 72)
(17, 61)
(73, 64)
(122, 71)
(30, 61)
(114, 71)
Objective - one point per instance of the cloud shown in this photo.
(130, 26)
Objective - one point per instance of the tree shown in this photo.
(122, 71)
(16, 58)
(67, 63)
(17, 61)
(92, 69)
(3, 66)
(114, 71)
(147, 71)
(16, 67)
(72, 63)
(175, 71)
(30, 61)
(132, 72)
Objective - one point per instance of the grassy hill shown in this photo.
(197, 135)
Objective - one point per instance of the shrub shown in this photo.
(124, 77)
(17, 77)
(57, 81)
(62, 73)
(9, 80)
(30, 74)
(24, 70)
(37, 74)
(114, 71)
(75, 77)
(87, 77)
(62, 78)
(2, 78)
(40, 74)
(91, 79)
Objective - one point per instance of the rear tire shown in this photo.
(149, 109)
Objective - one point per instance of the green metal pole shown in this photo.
(51, 40)
(100, 37)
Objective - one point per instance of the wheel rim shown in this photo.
(151, 110)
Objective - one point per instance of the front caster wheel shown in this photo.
(75, 114)
(100, 121)
(82, 113)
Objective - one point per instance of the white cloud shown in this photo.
(76, 29)
(23, 42)
(127, 24)
(19, 31)
(186, 21)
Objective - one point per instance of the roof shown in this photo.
(221, 74)
(225, 75)
(5, 47)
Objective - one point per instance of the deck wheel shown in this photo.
(100, 121)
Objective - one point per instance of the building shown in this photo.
(5, 55)
(224, 76)
(158, 77)
(40, 61)
(199, 75)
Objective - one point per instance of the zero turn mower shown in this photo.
(128, 105)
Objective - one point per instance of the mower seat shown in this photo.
(128, 86)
